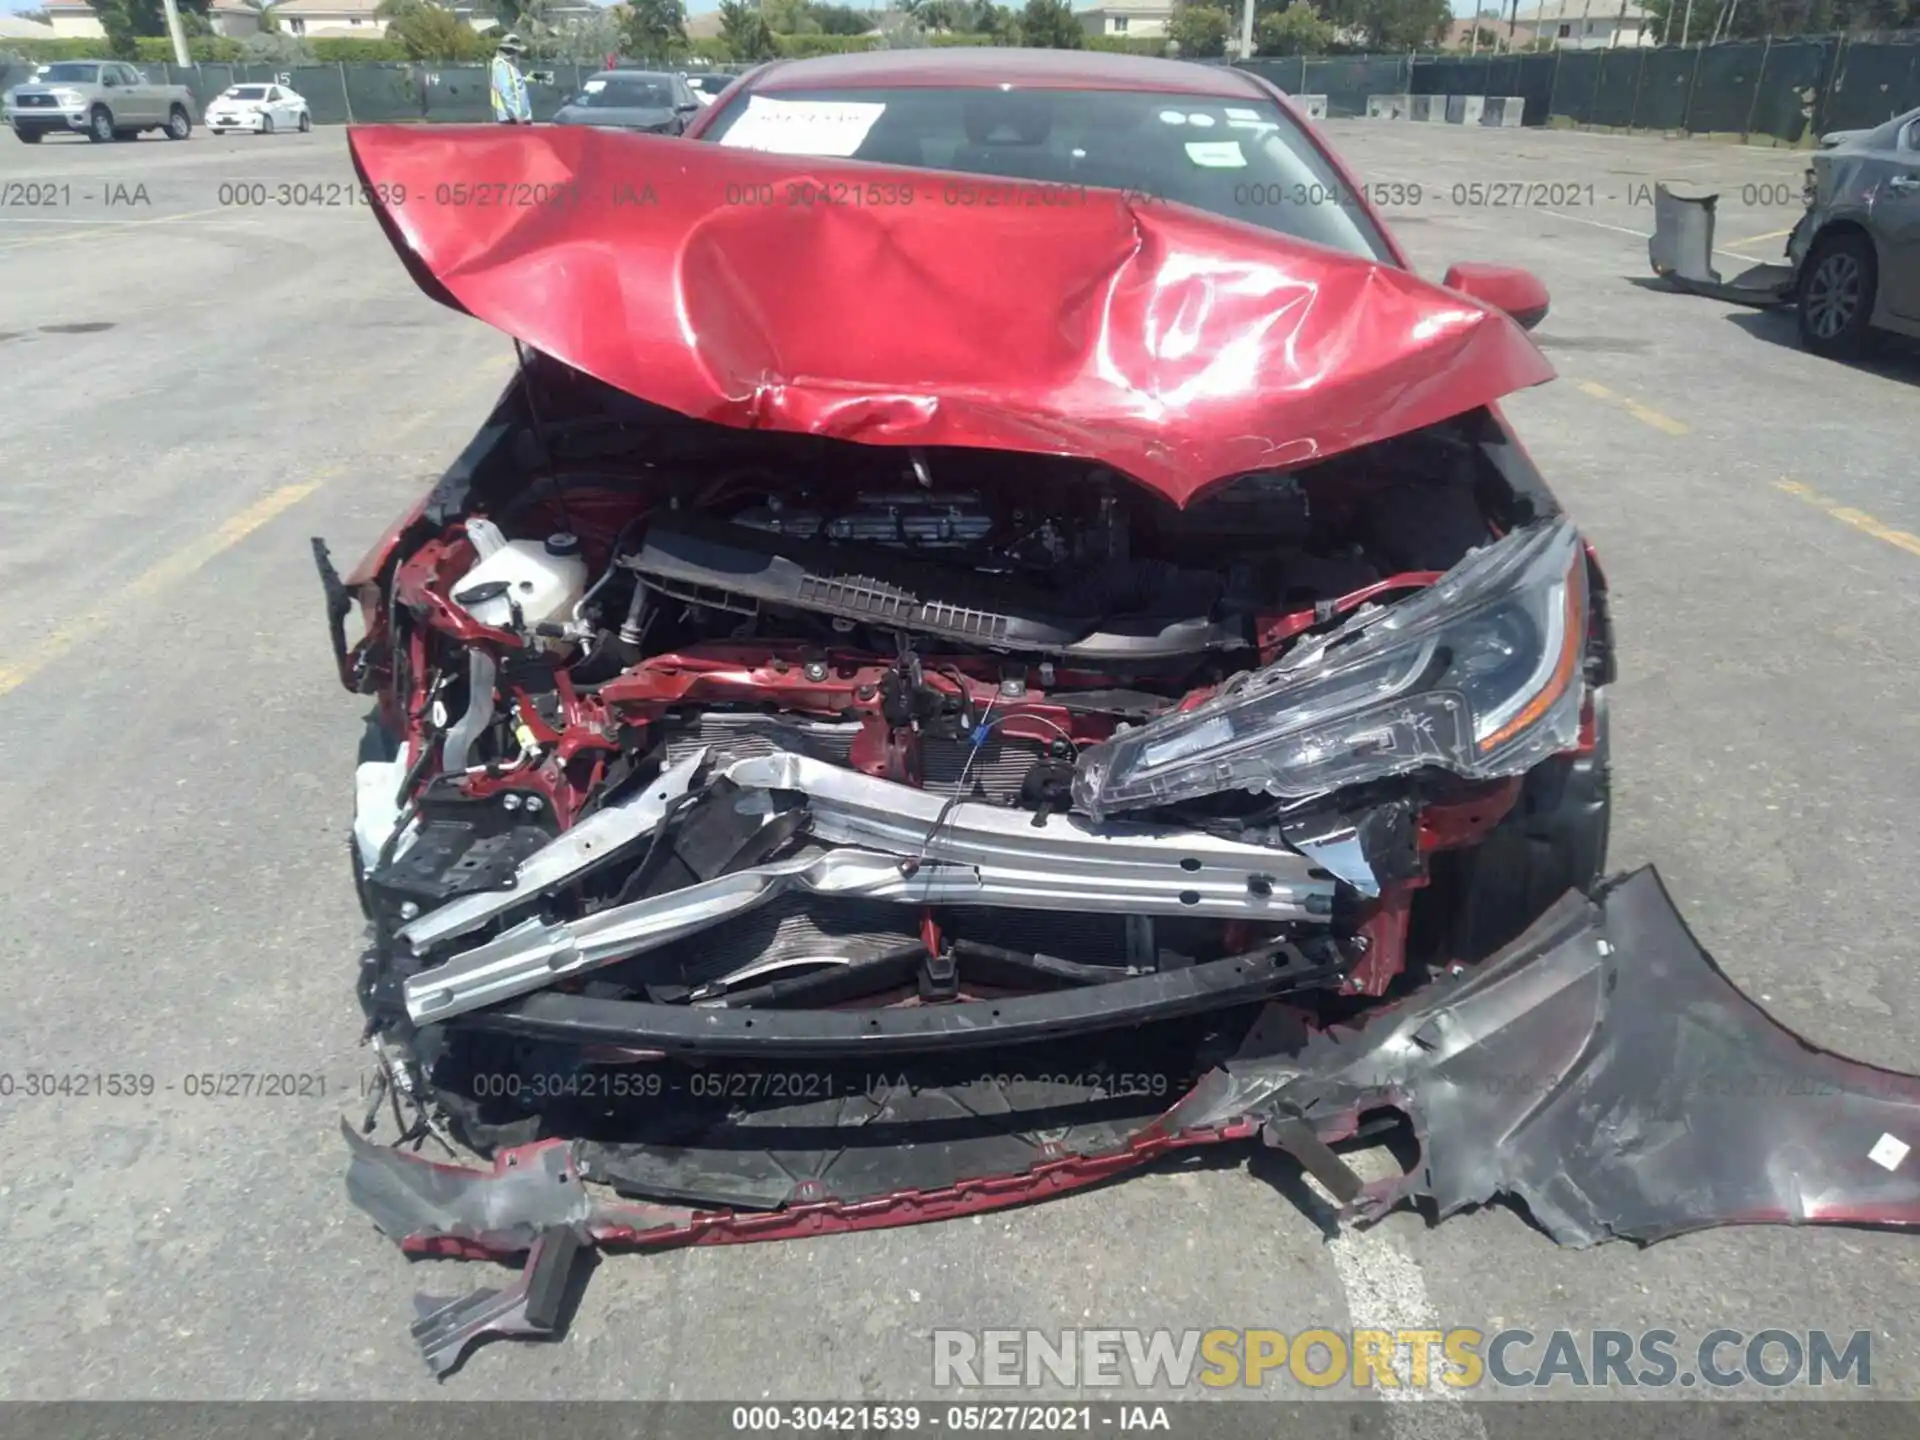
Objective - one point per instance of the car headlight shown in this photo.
(1479, 674)
(68, 97)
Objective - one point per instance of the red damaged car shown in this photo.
(998, 632)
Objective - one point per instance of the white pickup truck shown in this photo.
(102, 99)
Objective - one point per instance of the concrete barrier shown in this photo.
(1315, 106)
(1440, 109)
(1503, 110)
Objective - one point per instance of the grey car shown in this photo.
(1856, 252)
(647, 100)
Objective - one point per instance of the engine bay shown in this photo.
(686, 719)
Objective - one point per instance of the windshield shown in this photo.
(247, 92)
(1245, 159)
(627, 94)
(71, 73)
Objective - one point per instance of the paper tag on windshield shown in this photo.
(802, 127)
(1888, 1151)
(1216, 154)
(594, 87)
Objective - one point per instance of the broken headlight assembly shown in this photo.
(1479, 674)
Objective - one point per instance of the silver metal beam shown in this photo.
(589, 843)
(905, 846)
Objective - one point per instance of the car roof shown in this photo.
(986, 66)
(634, 75)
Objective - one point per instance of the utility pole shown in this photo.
(1513, 19)
(1686, 23)
(179, 36)
(1246, 30)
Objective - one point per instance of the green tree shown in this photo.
(587, 38)
(1751, 19)
(654, 29)
(1051, 25)
(745, 30)
(1200, 31)
(789, 17)
(983, 17)
(1296, 30)
(427, 30)
(127, 20)
(1394, 24)
(275, 47)
(841, 19)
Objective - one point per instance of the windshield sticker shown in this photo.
(1205, 122)
(1172, 117)
(594, 87)
(1234, 112)
(1216, 154)
(802, 127)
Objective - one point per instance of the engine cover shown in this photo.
(913, 520)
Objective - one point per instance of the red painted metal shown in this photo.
(625, 1224)
(1178, 347)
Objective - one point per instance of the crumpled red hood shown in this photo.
(1172, 345)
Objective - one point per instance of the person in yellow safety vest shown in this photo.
(510, 105)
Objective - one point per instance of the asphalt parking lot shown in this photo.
(199, 374)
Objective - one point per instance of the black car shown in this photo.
(646, 100)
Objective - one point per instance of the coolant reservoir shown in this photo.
(540, 580)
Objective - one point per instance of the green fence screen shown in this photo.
(1790, 89)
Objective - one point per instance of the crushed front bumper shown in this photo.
(1601, 1070)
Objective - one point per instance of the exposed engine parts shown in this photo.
(699, 745)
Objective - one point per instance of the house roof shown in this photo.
(359, 9)
(1460, 32)
(1129, 7)
(1560, 11)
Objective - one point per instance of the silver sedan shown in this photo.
(1856, 252)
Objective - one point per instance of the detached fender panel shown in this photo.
(1605, 1072)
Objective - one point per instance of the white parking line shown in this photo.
(1385, 1291)
(1643, 235)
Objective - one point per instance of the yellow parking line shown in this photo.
(100, 229)
(1770, 235)
(1858, 519)
(1646, 415)
(155, 578)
